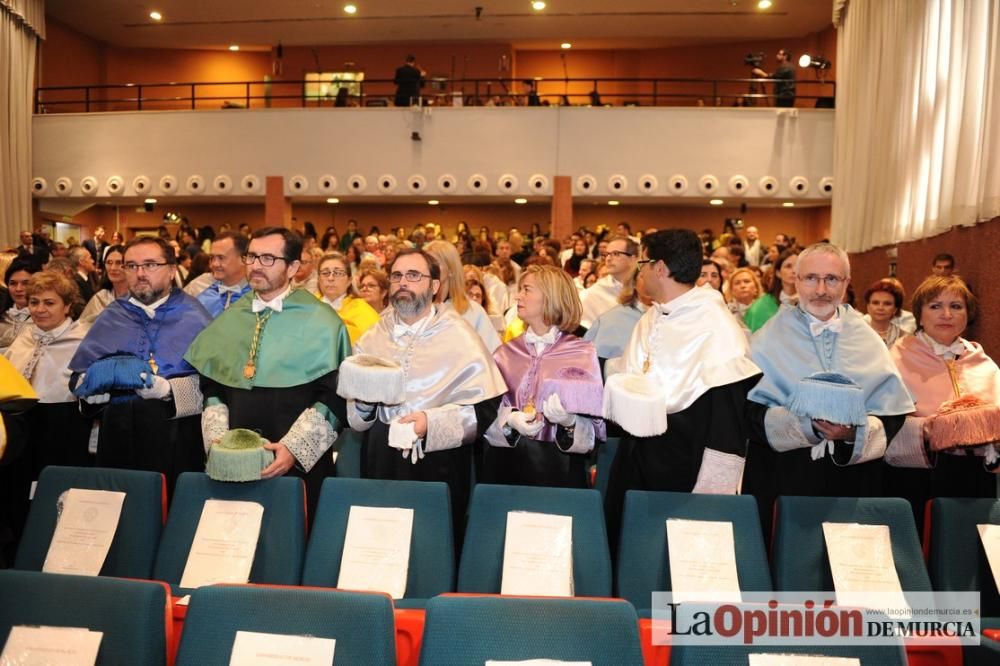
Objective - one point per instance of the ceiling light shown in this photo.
(816, 62)
(520, 201)
(433, 202)
(538, 5)
(333, 200)
(150, 201)
(764, 4)
(351, 9)
(789, 204)
(155, 15)
(613, 203)
(234, 47)
(565, 45)
(716, 202)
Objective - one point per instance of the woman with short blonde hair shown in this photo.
(550, 416)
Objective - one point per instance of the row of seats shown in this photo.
(460, 630)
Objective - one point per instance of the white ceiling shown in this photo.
(586, 23)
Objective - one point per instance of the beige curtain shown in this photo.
(22, 24)
(917, 130)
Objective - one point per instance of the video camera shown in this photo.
(753, 59)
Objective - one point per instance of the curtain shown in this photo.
(21, 25)
(917, 130)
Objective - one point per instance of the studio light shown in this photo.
(816, 62)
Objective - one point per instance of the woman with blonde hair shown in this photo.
(742, 290)
(550, 416)
(335, 289)
(452, 291)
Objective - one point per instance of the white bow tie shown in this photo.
(19, 314)
(547, 339)
(955, 349)
(259, 305)
(150, 311)
(816, 328)
(223, 289)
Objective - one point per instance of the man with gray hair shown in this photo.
(84, 268)
(830, 399)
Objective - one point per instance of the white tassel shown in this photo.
(367, 378)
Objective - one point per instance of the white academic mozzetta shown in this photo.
(376, 554)
(43, 646)
(83, 535)
(990, 536)
(538, 555)
(258, 649)
(224, 543)
(702, 561)
(864, 571)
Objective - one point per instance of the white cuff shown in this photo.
(494, 434)
(356, 417)
(871, 446)
(309, 438)
(449, 427)
(720, 473)
(214, 423)
(583, 436)
(786, 431)
(188, 400)
(909, 448)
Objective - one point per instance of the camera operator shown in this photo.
(784, 89)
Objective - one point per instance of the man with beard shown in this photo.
(451, 387)
(269, 364)
(831, 397)
(131, 367)
(752, 249)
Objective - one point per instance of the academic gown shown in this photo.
(156, 435)
(17, 399)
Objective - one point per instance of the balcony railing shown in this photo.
(203, 95)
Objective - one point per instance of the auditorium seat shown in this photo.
(349, 447)
(481, 565)
(469, 629)
(432, 551)
(132, 615)
(361, 623)
(143, 511)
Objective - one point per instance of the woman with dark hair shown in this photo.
(16, 316)
(330, 241)
(580, 252)
(781, 292)
(711, 274)
(883, 301)
(114, 284)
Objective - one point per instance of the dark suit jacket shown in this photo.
(85, 286)
(96, 250)
(39, 254)
(408, 82)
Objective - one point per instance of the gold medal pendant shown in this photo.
(153, 366)
(645, 366)
(249, 370)
(529, 409)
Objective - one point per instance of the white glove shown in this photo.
(160, 390)
(529, 428)
(555, 413)
(97, 398)
(402, 436)
(417, 452)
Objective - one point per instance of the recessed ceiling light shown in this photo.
(565, 45)
(155, 15)
(234, 47)
(433, 202)
(764, 4)
(613, 203)
(538, 5)
(351, 9)
(333, 200)
(716, 202)
(520, 201)
(150, 201)
(789, 204)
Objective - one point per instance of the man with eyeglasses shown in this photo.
(620, 258)
(683, 383)
(227, 281)
(269, 364)
(830, 399)
(130, 369)
(451, 385)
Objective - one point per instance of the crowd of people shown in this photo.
(722, 365)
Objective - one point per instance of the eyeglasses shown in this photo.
(643, 262)
(831, 281)
(411, 276)
(334, 272)
(367, 286)
(148, 267)
(617, 253)
(266, 260)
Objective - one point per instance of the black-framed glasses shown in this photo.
(642, 262)
(333, 273)
(617, 253)
(266, 260)
(411, 276)
(147, 267)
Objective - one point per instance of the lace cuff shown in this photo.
(214, 423)
(869, 444)
(188, 399)
(494, 435)
(786, 431)
(909, 448)
(309, 438)
(720, 473)
(449, 427)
